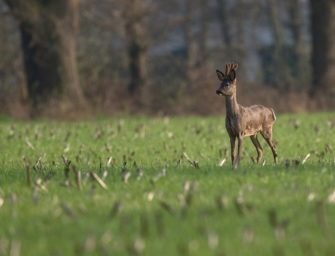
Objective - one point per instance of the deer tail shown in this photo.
(273, 114)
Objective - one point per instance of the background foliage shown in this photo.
(160, 56)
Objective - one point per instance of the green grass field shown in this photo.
(158, 202)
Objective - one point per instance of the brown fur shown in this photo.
(244, 121)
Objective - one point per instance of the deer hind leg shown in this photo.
(239, 150)
(257, 146)
(267, 135)
(232, 148)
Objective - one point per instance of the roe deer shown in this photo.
(244, 121)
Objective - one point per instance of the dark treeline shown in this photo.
(160, 56)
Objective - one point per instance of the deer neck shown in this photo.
(232, 107)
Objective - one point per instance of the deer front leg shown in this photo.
(239, 149)
(232, 148)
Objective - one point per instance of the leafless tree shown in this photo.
(323, 47)
(223, 14)
(203, 33)
(188, 12)
(295, 26)
(48, 39)
(280, 67)
(135, 28)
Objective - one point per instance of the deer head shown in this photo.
(228, 80)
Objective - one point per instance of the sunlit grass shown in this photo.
(157, 201)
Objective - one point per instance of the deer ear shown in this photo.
(220, 75)
(232, 75)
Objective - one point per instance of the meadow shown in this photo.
(165, 186)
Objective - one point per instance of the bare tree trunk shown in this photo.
(188, 38)
(134, 14)
(323, 48)
(48, 38)
(204, 19)
(280, 67)
(295, 24)
(239, 38)
(223, 15)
